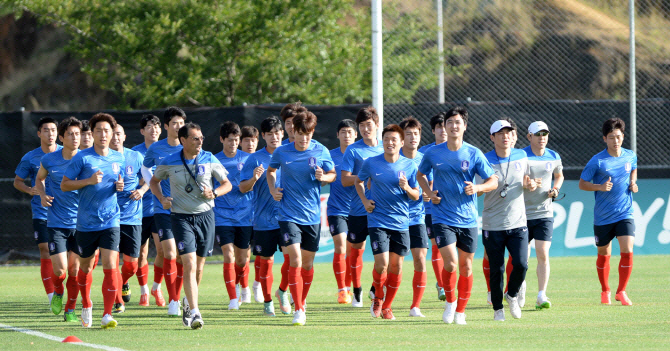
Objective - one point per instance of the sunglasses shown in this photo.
(542, 133)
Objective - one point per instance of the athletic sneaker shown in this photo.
(542, 302)
(108, 322)
(158, 295)
(459, 318)
(521, 296)
(514, 307)
(387, 313)
(269, 309)
(449, 310)
(144, 300)
(299, 318)
(173, 309)
(185, 313)
(284, 304)
(343, 297)
(125, 293)
(376, 308)
(245, 295)
(606, 297)
(258, 291)
(119, 308)
(623, 297)
(56, 303)
(87, 317)
(499, 315)
(441, 295)
(70, 316)
(416, 312)
(233, 305)
(196, 321)
(356, 300)
(371, 293)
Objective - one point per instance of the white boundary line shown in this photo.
(58, 339)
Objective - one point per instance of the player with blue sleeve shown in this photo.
(612, 175)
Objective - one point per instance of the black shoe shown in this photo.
(185, 313)
(119, 308)
(371, 294)
(125, 293)
(196, 322)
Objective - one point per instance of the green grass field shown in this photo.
(576, 320)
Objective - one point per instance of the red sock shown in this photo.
(283, 284)
(127, 271)
(347, 274)
(47, 271)
(58, 283)
(449, 280)
(603, 267)
(487, 273)
(307, 278)
(356, 264)
(438, 265)
(340, 270)
(117, 281)
(378, 281)
(170, 272)
(72, 292)
(295, 284)
(508, 271)
(109, 284)
(464, 290)
(418, 287)
(244, 280)
(143, 275)
(257, 268)
(392, 285)
(266, 277)
(158, 273)
(625, 268)
(229, 279)
(179, 282)
(84, 281)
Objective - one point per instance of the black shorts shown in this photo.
(148, 227)
(605, 233)
(338, 225)
(62, 240)
(41, 232)
(88, 242)
(389, 240)
(358, 229)
(429, 226)
(163, 223)
(267, 242)
(540, 229)
(465, 238)
(307, 236)
(130, 240)
(194, 233)
(418, 238)
(238, 236)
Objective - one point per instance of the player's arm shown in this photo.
(225, 185)
(71, 185)
(325, 177)
(155, 186)
(633, 181)
(41, 188)
(277, 193)
(347, 178)
(138, 193)
(147, 173)
(588, 186)
(558, 183)
(20, 185)
(360, 190)
(427, 188)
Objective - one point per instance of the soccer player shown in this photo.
(190, 172)
(248, 144)
(30, 163)
(150, 128)
(612, 175)
(86, 136)
(249, 139)
(338, 206)
(367, 121)
(234, 217)
(130, 205)
(287, 114)
(266, 228)
(454, 166)
(393, 188)
(504, 218)
(173, 120)
(97, 172)
(61, 217)
(543, 163)
(305, 165)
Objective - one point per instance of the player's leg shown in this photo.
(542, 232)
(71, 284)
(418, 244)
(466, 245)
(379, 240)
(358, 232)
(110, 243)
(46, 267)
(309, 245)
(517, 245)
(256, 285)
(603, 236)
(436, 258)
(159, 271)
(266, 242)
(338, 230)
(224, 236)
(58, 255)
(143, 261)
(169, 248)
(494, 242)
(87, 246)
(446, 238)
(241, 251)
(131, 243)
(398, 248)
(625, 232)
(486, 268)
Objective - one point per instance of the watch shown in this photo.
(215, 194)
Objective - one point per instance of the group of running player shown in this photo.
(91, 199)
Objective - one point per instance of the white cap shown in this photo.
(537, 126)
(499, 125)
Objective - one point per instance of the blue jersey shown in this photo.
(340, 198)
(417, 213)
(391, 202)
(285, 141)
(27, 168)
(451, 169)
(301, 202)
(156, 153)
(63, 210)
(98, 206)
(131, 210)
(428, 206)
(266, 209)
(617, 204)
(352, 162)
(147, 199)
(234, 208)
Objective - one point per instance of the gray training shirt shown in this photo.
(538, 202)
(509, 212)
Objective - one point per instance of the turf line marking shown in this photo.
(58, 339)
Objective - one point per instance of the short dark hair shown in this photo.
(367, 113)
(172, 112)
(393, 128)
(149, 118)
(229, 127)
(102, 117)
(291, 110)
(613, 123)
(85, 126)
(249, 132)
(511, 122)
(346, 123)
(46, 120)
(438, 119)
(410, 122)
(67, 123)
(458, 110)
(183, 131)
(304, 122)
(271, 123)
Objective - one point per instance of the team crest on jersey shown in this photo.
(465, 165)
(548, 166)
(628, 166)
(401, 174)
(36, 235)
(160, 233)
(181, 246)
(517, 166)
(201, 170)
(129, 169)
(311, 162)
(375, 245)
(286, 237)
(116, 168)
(240, 166)
(332, 229)
(52, 246)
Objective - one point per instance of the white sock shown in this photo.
(347, 288)
(344, 289)
(195, 311)
(50, 296)
(256, 284)
(156, 286)
(144, 289)
(541, 294)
